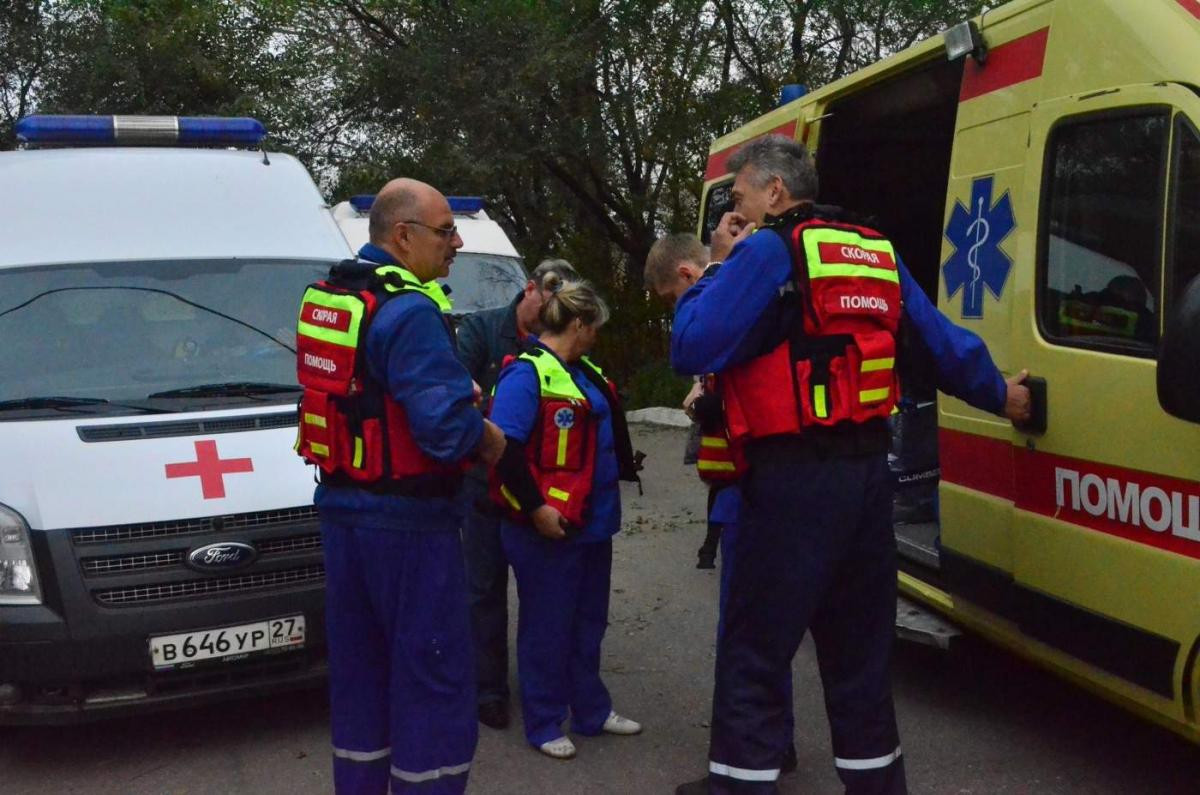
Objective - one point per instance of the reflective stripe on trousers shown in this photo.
(867, 764)
(429, 775)
(361, 756)
(742, 774)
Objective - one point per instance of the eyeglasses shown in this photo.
(440, 231)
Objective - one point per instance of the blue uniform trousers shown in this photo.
(487, 588)
(816, 552)
(401, 677)
(729, 539)
(563, 588)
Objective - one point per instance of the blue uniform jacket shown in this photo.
(409, 351)
(515, 410)
(726, 319)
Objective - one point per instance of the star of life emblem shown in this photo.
(564, 418)
(978, 263)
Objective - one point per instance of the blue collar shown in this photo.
(374, 253)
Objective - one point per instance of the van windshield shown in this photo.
(125, 331)
(483, 281)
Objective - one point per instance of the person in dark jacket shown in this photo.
(485, 339)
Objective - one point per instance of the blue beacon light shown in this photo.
(465, 205)
(52, 130)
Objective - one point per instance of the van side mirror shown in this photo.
(1179, 358)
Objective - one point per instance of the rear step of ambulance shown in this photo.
(916, 544)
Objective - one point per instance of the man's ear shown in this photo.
(400, 235)
(685, 273)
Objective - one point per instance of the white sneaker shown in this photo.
(562, 748)
(615, 724)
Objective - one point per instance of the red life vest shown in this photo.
(838, 364)
(350, 427)
(561, 452)
(719, 460)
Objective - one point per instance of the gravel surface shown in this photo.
(974, 720)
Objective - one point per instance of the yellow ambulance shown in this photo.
(1038, 169)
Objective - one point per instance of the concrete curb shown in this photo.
(659, 415)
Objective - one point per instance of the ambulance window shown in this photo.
(718, 202)
(1100, 239)
(1184, 254)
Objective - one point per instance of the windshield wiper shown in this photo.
(65, 403)
(227, 389)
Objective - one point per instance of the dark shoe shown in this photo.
(494, 714)
(708, 560)
(790, 763)
(693, 787)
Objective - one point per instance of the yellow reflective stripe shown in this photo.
(563, 438)
(860, 271)
(431, 289)
(714, 441)
(558, 494)
(314, 419)
(508, 495)
(874, 395)
(342, 303)
(873, 365)
(819, 407)
(358, 452)
(553, 379)
(319, 449)
(817, 269)
(715, 466)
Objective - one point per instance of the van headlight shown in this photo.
(18, 573)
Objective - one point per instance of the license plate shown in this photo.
(276, 634)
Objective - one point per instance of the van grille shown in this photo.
(183, 527)
(145, 594)
(284, 546)
(124, 563)
(130, 565)
(119, 564)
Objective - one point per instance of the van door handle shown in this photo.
(1037, 406)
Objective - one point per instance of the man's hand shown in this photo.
(1018, 404)
(697, 391)
(733, 229)
(491, 447)
(549, 522)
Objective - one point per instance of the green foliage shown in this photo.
(656, 384)
(585, 123)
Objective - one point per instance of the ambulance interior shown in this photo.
(884, 154)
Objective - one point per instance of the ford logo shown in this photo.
(228, 555)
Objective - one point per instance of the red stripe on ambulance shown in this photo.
(1015, 62)
(977, 462)
(717, 160)
(1143, 507)
(1191, 6)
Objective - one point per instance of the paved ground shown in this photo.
(973, 721)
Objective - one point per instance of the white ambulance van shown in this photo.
(158, 544)
(486, 274)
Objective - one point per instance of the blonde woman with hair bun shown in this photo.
(568, 447)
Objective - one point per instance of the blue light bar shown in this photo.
(465, 205)
(139, 131)
(237, 131)
(362, 202)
